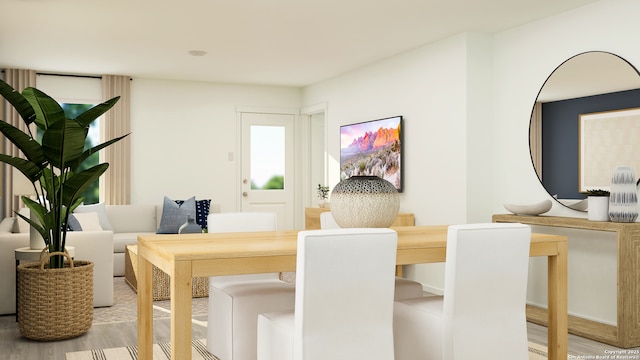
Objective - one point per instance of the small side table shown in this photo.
(30, 255)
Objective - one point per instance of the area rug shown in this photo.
(125, 306)
(160, 352)
(199, 352)
(537, 351)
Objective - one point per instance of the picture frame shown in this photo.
(606, 140)
(373, 148)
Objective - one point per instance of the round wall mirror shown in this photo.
(582, 124)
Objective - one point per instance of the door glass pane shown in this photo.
(267, 157)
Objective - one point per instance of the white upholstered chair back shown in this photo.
(482, 312)
(344, 298)
(404, 288)
(242, 222)
(485, 289)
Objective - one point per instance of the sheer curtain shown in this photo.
(18, 79)
(535, 138)
(116, 186)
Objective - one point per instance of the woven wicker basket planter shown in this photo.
(55, 304)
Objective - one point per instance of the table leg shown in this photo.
(145, 309)
(181, 312)
(557, 304)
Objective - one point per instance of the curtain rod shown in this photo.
(69, 75)
(72, 75)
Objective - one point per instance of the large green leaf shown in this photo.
(95, 149)
(19, 102)
(89, 116)
(50, 182)
(28, 168)
(25, 143)
(63, 143)
(48, 111)
(76, 184)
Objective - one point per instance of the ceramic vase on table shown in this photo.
(623, 200)
(190, 227)
(364, 201)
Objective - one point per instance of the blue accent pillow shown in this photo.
(174, 215)
(74, 224)
(202, 211)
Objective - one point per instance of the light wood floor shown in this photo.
(14, 347)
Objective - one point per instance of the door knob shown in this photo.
(245, 194)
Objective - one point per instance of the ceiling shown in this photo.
(271, 42)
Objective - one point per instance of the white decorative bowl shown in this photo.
(531, 209)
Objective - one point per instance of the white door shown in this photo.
(268, 159)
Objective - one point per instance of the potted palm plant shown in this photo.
(323, 194)
(52, 165)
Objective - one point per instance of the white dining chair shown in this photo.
(482, 313)
(404, 289)
(344, 299)
(235, 301)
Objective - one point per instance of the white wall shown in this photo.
(428, 88)
(182, 134)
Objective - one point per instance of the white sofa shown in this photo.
(94, 246)
(121, 226)
(127, 222)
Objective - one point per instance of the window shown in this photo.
(71, 111)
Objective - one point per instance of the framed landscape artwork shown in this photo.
(373, 148)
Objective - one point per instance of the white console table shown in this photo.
(626, 333)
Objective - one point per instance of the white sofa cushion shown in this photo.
(133, 218)
(100, 209)
(88, 221)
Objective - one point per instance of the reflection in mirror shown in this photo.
(587, 83)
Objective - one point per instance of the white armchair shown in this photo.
(482, 313)
(94, 246)
(344, 299)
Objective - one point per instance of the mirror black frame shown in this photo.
(579, 205)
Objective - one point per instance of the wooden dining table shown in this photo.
(186, 256)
